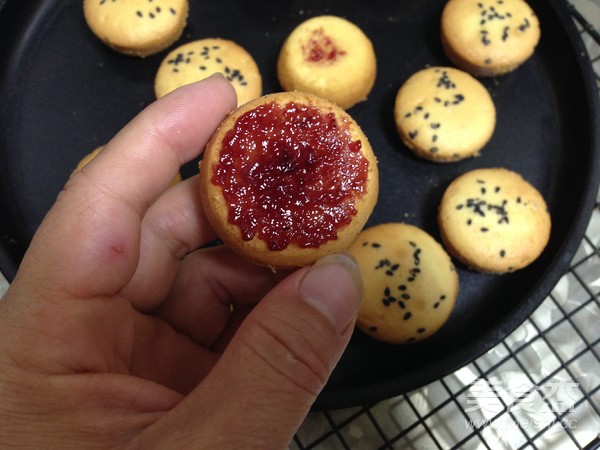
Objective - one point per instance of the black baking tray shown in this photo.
(63, 93)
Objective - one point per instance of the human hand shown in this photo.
(118, 332)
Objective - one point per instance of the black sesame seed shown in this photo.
(484, 229)
(172, 11)
(407, 316)
(502, 253)
(436, 305)
(458, 98)
(413, 134)
(524, 25)
(139, 14)
(373, 329)
(421, 330)
(387, 292)
(402, 287)
(375, 245)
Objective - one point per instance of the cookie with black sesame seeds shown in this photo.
(489, 37)
(410, 283)
(493, 220)
(199, 59)
(137, 27)
(331, 57)
(444, 114)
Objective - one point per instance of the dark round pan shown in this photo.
(63, 93)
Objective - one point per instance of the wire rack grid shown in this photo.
(537, 389)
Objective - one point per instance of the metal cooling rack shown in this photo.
(538, 389)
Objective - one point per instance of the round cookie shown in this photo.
(136, 27)
(199, 59)
(444, 114)
(90, 156)
(410, 283)
(288, 178)
(330, 57)
(493, 220)
(489, 37)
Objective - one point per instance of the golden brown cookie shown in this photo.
(444, 114)
(330, 57)
(288, 178)
(136, 27)
(410, 282)
(199, 59)
(493, 220)
(489, 37)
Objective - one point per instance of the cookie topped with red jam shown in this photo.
(288, 178)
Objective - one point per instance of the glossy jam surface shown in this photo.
(320, 48)
(290, 174)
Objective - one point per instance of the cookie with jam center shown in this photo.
(493, 220)
(288, 178)
(489, 37)
(199, 59)
(136, 27)
(444, 114)
(411, 285)
(330, 57)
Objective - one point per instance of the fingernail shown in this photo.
(333, 285)
(217, 75)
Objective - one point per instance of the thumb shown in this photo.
(263, 386)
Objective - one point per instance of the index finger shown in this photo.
(89, 242)
(142, 159)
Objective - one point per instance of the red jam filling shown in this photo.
(321, 48)
(290, 174)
